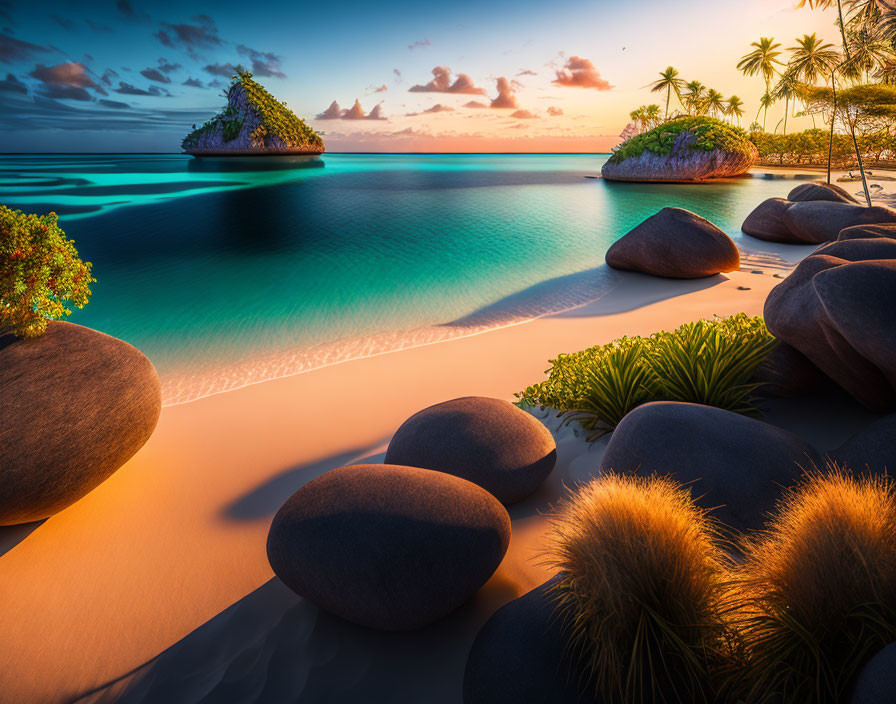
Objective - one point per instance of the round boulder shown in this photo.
(521, 655)
(388, 547)
(735, 465)
(814, 222)
(676, 244)
(76, 405)
(876, 683)
(765, 222)
(487, 441)
(863, 232)
(819, 190)
(787, 373)
(872, 449)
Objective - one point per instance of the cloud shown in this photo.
(126, 9)
(153, 74)
(202, 35)
(527, 72)
(98, 26)
(12, 84)
(523, 115)
(378, 89)
(264, 63)
(438, 107)
(193, 82)
(165, 66)
(397, 74)
(442, 83)
(419, 44)
(506, 95)
(355, 112)
(65, 81)
(225, 70)
(12, 49)
(108, 75)
(580, 73)
(474, 104)
(554, 111)
(114, 104)
(128, 89)
(64, 22)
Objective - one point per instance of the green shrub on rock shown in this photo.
(707, 134)
(40, 273)
(711, 362)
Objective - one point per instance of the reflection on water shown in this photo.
(231, 270)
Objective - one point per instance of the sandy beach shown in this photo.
(158, 582)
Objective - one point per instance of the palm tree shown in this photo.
(715, 102)
(652, 114)
(694, 98)
(812, 59)
(669, 82)
(787, 89)
(868, 52)
(762, 60)
(765, 102)
(735, 108)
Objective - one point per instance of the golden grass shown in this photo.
(817, 591)
(642, 578)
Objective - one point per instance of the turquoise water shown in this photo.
(225, 273)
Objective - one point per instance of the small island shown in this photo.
(253, 123)
(684, 149)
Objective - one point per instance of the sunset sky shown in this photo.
(129, 75)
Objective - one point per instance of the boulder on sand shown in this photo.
(815, 222)
(677, 244)
(388, 547)
(836, 308)
(487, 441)
(734, 465)
(872, 449)
(818, 190)
(864, 232)
(765, 221)
(76, 405)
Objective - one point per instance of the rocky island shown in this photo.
(684, 149)
(253, 123)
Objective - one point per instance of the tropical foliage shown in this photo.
(706, 133)
(278, 120)
(711, 362)
(40, 273)
(812, 147)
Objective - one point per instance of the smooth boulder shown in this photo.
(388, 547)
(787, 373)
(676, 244)
(521, 655)
(815, 222)
(487, 441)
(876, 683)
(76, 404)
(734, 465)
(872, 449)
(835, 308)
(818, 190)
(765, 222)
(863, 232)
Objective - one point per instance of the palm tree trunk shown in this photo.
(668, 98)
(786, 112)
(833, 120)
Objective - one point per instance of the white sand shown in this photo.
(159, 552)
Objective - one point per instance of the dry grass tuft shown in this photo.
(816, 595)
(642, 578)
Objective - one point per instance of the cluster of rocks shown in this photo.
(813, 213)
(677, 244)
(399, 545)
(76, 405)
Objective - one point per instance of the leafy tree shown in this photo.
(670, 82)
(39, 273)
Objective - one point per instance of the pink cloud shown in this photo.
(378, 89)
(438, 107)
(442, 83)
(506, 95)
(527, 72)
(355, 112)
(523, 115)
(474, 104)
(555, 111)
(580, 73)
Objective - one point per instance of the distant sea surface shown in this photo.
(229, 272)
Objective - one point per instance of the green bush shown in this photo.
(711, 362)
(39, 272)
(707, 132)
(810, 147)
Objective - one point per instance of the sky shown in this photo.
(389, 76)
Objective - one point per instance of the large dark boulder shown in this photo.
(872, 449)
(856, 250)
(863, 232)
(819, 190)
(821, 221)
(765, 222)
(677, 244)
(76, 405)
(487, 441)
(388, 547)
(788, 373)
(876, 683)
(735, 465)
(837, 311)
(521, 655)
